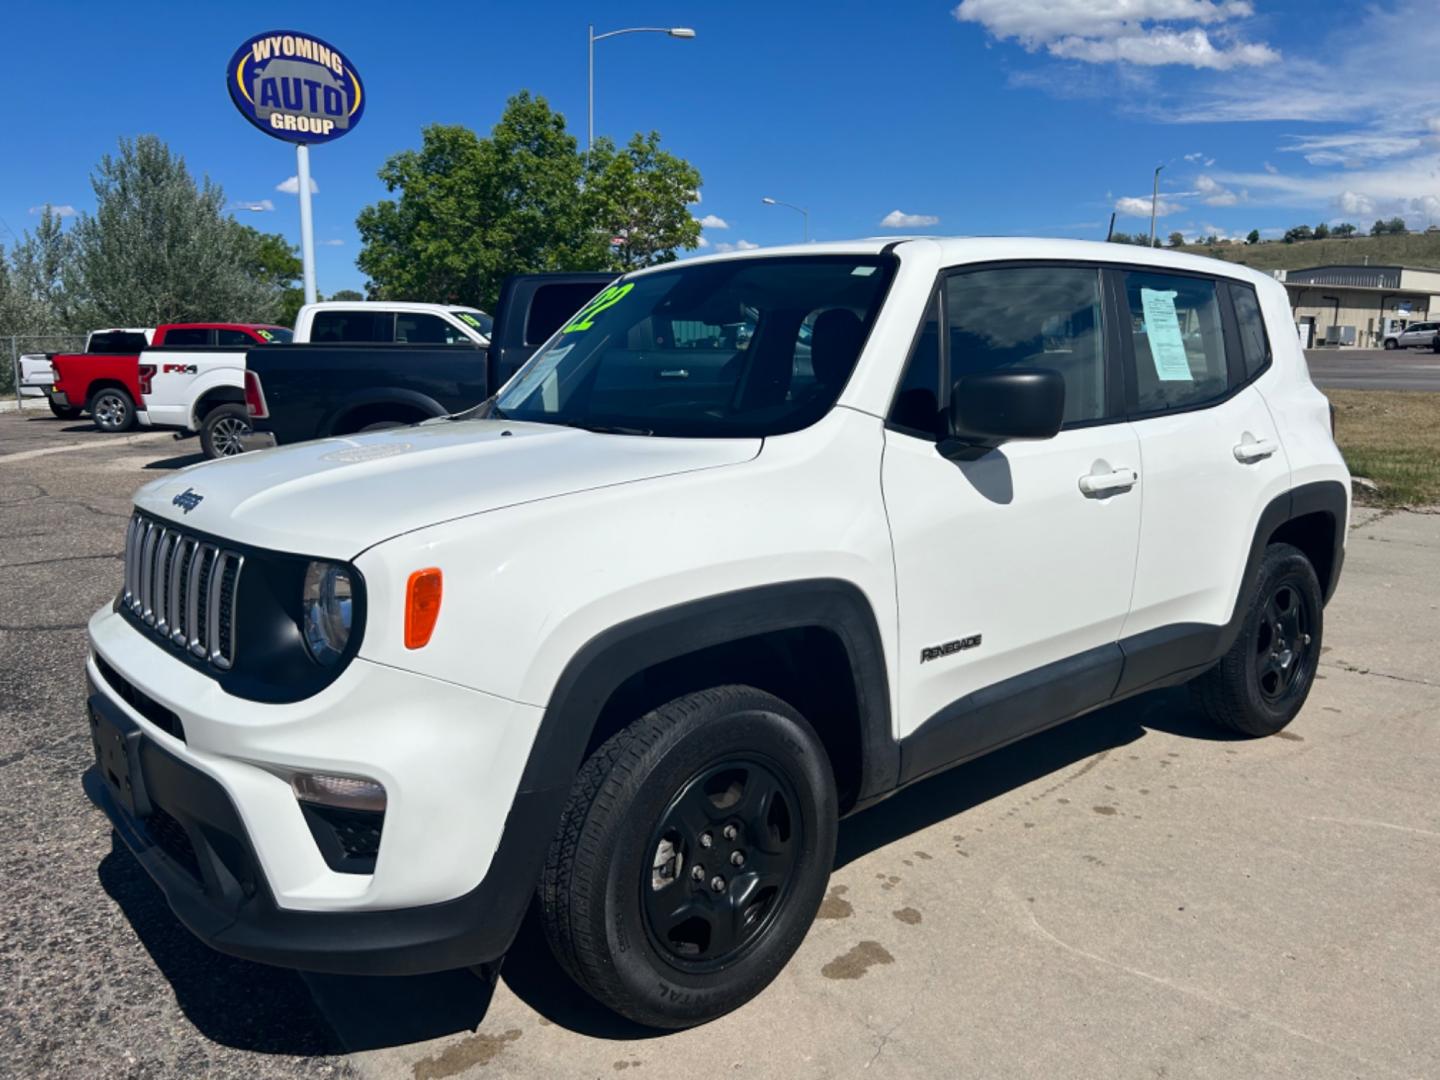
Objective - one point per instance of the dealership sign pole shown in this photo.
(303, 90)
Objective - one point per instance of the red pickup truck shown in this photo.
(109, 386)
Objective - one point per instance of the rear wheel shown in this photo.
(692, 857)
(1261, 683)
(112, 410)
(222, 430)
(64, 412)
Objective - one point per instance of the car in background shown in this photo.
(1420, 334)
(111, 385)
(391, 322)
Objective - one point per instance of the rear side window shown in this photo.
(1179, 340)
(233, 337)
(188, 336)
(117, 341)
(1254, 345)
(352, 326)
(1035, 317)
(551, 306)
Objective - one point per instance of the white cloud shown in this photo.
(331, 243)
(291, 186)
(898, 219)
(713, 221)
(1271, 169)
(63, 210)
(1139, 206)
(738, 245)
(1351, 148)
(1124, 31)
(1199, 158)
(1213, 193)
(702, 243)
(254, 204)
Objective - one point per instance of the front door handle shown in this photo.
(1107, 482)
(1247, 452)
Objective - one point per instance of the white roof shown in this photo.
(386, 305)
(958, 250)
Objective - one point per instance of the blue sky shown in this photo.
(982, 116)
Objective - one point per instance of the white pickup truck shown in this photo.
(379, 322)
(36, 374)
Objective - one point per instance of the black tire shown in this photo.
(64, 412)
(1391, 344)
(731, 756)
(1262, 682)
(221, 429)
(111, 409)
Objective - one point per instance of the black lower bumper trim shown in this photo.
(223, 897)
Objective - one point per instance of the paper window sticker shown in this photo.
(1162, 330)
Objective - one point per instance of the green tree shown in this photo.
(272, 259)
(1177, 239)
(1344, 230)
(1253, 237)
(1121, 238)
(160, 248)
(1380, 228)
(472, 210)
(37, 273)
(346, 294)
(1396, 226)
(1322, 231)
(1298, 232)
(636, 203)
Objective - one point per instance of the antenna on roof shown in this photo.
(1110, 231)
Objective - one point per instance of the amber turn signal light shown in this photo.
(422, 607)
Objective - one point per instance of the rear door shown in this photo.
(1012, 579)
(1210, 452)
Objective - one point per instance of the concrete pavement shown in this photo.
(1130, 895)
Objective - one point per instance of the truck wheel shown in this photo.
(1261, 683)
(64, 412)
(222, 428)
(1391, 344)
(692, 857)
(112, 410)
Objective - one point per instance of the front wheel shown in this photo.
(222, 429)
(1261, 683)
(692, 857)
(112, 410)
(1391, 344)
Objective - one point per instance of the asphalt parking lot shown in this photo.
(1374, 369)
(1130, 895)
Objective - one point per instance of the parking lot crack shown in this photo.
(1356, 669)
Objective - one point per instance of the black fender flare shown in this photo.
(599, 667)
(364, 399)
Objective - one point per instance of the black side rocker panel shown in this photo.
(1168, 656)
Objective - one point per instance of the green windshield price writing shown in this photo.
(585, 318)
(471, 319)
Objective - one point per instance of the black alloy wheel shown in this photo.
(1282, 644)
(723, 860)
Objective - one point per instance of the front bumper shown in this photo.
(222, 835)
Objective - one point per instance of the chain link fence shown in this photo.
(18, 345)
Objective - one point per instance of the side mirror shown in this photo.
(994, 407)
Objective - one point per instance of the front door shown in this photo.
(1013, 571)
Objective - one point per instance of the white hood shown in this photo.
(336, 497)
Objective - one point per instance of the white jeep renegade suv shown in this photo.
(750, 543)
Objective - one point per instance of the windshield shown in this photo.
(275, 335)
(476, 320)
(746, 347)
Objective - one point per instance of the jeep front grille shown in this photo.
(183, 588)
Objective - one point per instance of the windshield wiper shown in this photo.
(603, 429)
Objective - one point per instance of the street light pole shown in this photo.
(806, 213)
(671, 31)
(1154, 197)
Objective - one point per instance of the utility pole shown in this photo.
(1154, 198)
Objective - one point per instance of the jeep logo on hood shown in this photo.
(187, 500)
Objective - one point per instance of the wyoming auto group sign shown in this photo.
(295, 87)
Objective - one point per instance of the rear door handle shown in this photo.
(1255, 450)
(1104, 483)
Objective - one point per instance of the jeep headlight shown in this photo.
(326, 608)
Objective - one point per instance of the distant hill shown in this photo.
(1410, 249)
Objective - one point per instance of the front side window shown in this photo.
(1179, 341)
(745, 347)
(1031, 317)
(418, 328)
(1253, 343)
(476, 320)
(233, 338)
